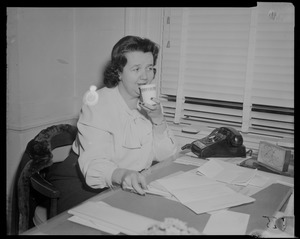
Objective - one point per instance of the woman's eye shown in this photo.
(150, 68)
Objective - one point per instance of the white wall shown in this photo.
(42, 45)
(53, 56)
(146, 22)
(96, 32)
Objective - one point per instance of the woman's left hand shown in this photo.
(154, 111)
(129, 179)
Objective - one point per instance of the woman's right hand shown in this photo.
(129, 179)
(154, 111)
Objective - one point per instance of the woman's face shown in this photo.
(137, 71)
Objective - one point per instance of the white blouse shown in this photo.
(111, 135)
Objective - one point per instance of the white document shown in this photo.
(155, 186)
(259, 181)
(110, 219)
(227, 223)
(188, 160)
(202, 194)
(227, 172)
(233, 160)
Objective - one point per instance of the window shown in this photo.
(230, 67)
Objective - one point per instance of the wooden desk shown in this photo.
(60, 225)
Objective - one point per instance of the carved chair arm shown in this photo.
(43, 186)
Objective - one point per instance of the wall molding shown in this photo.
(40, 113)
(29, 126)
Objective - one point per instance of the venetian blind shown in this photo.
(218, 69)
(205, 54)
(273, 71)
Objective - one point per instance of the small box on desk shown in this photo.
(274, 156)
(271, 158)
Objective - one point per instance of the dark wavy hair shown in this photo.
(119, 60)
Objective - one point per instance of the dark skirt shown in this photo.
(68, 179)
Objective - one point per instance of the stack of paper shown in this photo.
(227, 172)
(104, 217)
(202, 194)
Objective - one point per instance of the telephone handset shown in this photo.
(221, 142)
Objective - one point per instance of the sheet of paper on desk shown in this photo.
(227, 172)
(110, 219)
(259, 181)
(202, 194)
(227, 223)
(234, 160)
(156, 186)
(188, 160)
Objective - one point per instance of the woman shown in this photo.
(118, 135)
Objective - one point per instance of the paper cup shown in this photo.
(148, 92)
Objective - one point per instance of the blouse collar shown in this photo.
(136, 124)
(133, 112)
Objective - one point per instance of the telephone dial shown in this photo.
(221, 142)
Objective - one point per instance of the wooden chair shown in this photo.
(31, 191)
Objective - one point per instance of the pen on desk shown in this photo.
(131, 190)
(159, 193)
(152, 191)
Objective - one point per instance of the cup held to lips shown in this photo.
(148, 92)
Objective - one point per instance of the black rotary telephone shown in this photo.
(221, 142)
